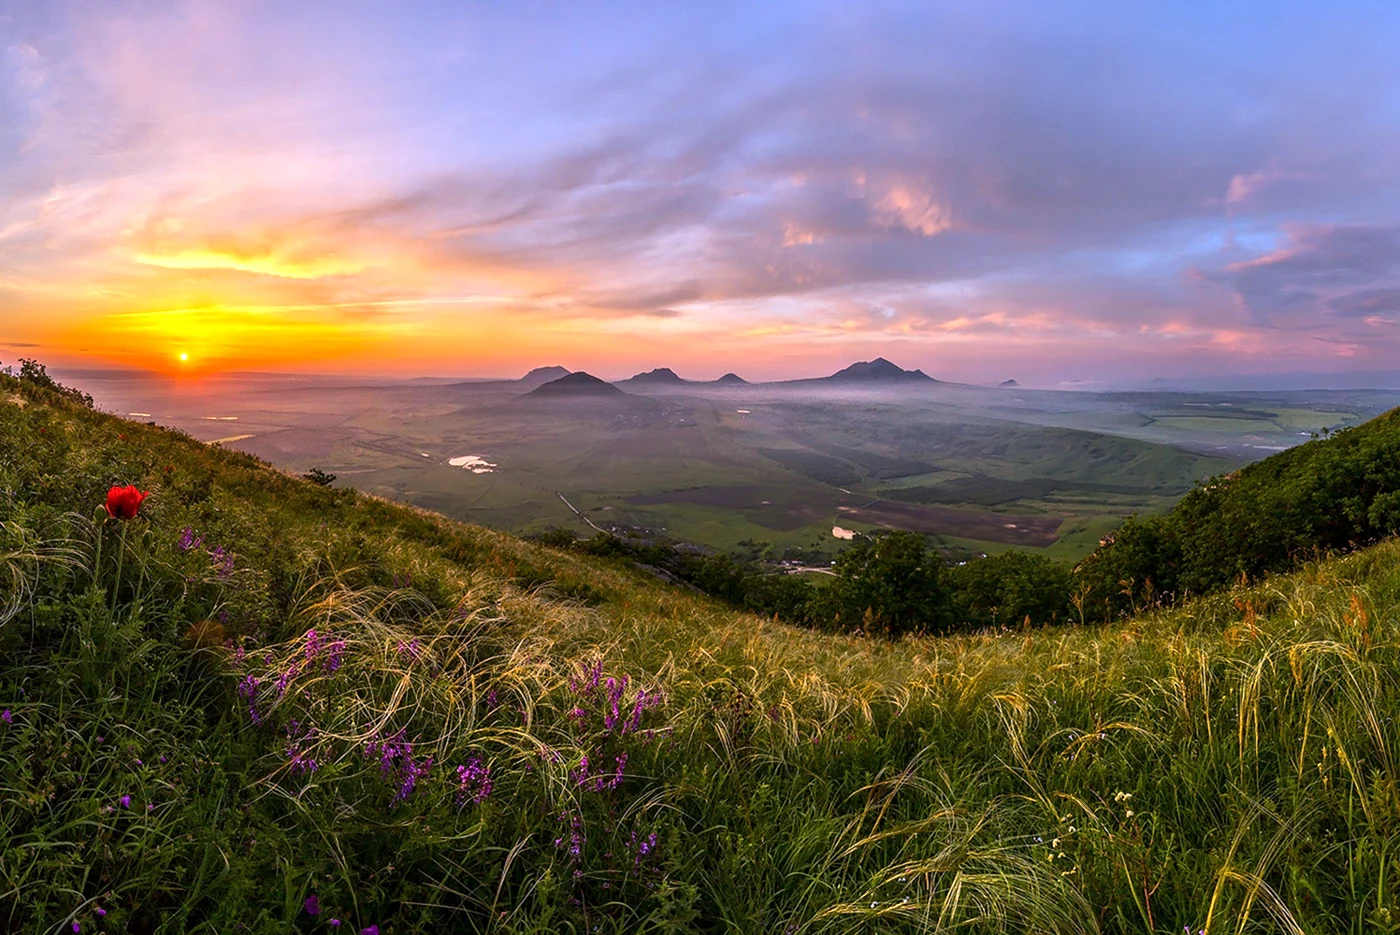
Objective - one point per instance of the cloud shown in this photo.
(1348, 269)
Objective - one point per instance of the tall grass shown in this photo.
(286, 718)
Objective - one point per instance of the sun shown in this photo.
(184, 357)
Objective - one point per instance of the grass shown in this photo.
(1231, 765)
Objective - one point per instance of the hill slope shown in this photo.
(261, 691)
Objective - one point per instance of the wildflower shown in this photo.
(125, 801)
(189, 540)
(223, 561)
(286, 677)
(370, 930)
(7, 717)
(335, 923)
(413, 770)
(335, 652)
(473, 782)
(580, 775)
(611, 782)
(77, 927)
(124, 503)
(101, 913)
(248, 689)
(312, 905)
(575, 840)
(592, 674)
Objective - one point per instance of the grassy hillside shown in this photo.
(262, 697)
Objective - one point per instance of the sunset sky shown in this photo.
(1041, 190)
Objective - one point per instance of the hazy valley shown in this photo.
(783, 464)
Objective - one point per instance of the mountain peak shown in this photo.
(1008, 383)
(879, 370)
(541, 375)
(659, 375)
(576, 384)
(732, 379)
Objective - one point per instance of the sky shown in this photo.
(1040, 190)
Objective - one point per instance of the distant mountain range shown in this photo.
(665, 376)
(558, 381)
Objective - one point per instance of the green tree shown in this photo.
(1007, 589)
(1137, 566)
(890, 584)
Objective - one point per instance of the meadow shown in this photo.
(265, 705)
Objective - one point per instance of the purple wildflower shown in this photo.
(313, 644)
(591, 676)
(413, 770)
(575, 840)
(125, 801)
(77, 927)
(642, 847)
(335, 923)
(248, 689)
(223, 561)
(580, 775)
(189, 540)
(370, 930)
(101, 913)
(394, 748)
(312, 905)
(335, 652)
(396, 756)
(491, 702)
(7, 717)
(473, 782)
(285, 678)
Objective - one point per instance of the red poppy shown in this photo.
(125, 502)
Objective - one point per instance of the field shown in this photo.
(261, 698)
(981, 469)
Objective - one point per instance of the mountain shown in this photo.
(542, 375)
(1008, 383)
(576, 384)
(731, 379)
(879, 370)
(661, 376)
